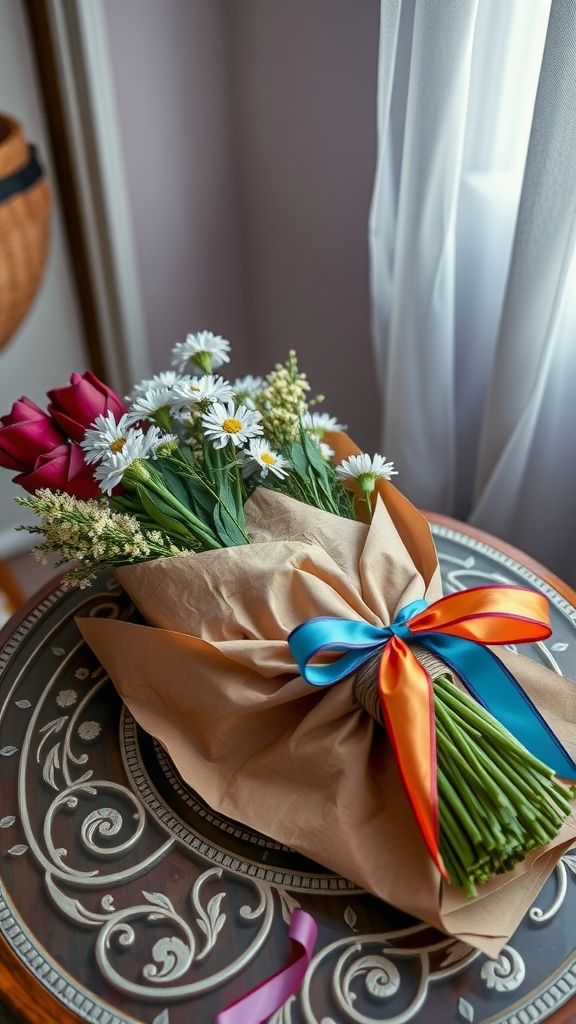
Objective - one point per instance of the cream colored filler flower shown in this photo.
(282, 402)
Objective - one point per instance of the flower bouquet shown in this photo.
(300, 664)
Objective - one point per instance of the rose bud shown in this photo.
(76, 406)
(26, 433)
(63, 469)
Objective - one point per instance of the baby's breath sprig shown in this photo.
(283, 402)
(91, 534)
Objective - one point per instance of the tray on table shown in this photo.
(124, 898)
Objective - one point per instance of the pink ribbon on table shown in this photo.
(259, 1004)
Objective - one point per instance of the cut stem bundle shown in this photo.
(496, 801)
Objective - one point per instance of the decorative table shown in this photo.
(124, 898)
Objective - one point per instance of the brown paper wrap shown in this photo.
(212, 678)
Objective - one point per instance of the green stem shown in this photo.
(509, 803)
(477, 715)
(193, 475)
(448, 793)
(196, 524)
(368, 500)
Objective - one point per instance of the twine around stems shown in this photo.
(365, 688)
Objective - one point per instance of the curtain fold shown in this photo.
(382, 221)
(542, 256)
(418, 342)
(472, 240)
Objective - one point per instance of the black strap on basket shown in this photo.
(22, 179)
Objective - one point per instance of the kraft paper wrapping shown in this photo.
(213, 679)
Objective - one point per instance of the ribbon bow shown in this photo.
(455, 629)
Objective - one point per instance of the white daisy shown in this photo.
(193, 390)
(105, 435)
(138, 447)
(260, 454)
(366, 470)
(319, 422)
(223, 423)
(204, 350)
(326, 450)
(246, 388)
(148, 403)
(166, 379)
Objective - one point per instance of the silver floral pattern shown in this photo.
(66, 698)
(89, 730)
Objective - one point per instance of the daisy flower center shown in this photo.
(232, 426)
(118, 444)
(268, 458)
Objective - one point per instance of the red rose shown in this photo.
(62, 469)
(26, 433)
(76, 406)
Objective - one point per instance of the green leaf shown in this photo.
(211, 460)
(203, 499)
(227, 529)
(231, 499)
(162, 514)
(313, 452)
(125, 503)
(299, 460)
(174, 482)
(188, 456)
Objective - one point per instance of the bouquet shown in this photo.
(294, 608)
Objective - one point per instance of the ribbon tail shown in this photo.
(261, 1002)
(488, 679)
(407, 700)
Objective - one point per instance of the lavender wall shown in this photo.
(172, 84)
(249, 132)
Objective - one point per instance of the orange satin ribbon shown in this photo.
(483, 614)
(455, 629)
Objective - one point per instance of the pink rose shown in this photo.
(26, 433)
(76, 406)
(62, 469)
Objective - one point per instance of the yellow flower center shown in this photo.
(232, 426)
(268, 458)
(118, 444)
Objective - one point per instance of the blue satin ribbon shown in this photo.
(482, 672)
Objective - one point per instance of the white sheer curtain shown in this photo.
(473, 272)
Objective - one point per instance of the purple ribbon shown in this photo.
(259, 1004)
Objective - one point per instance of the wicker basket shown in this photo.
(25, 204)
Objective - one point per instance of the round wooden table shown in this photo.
(123, 898)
